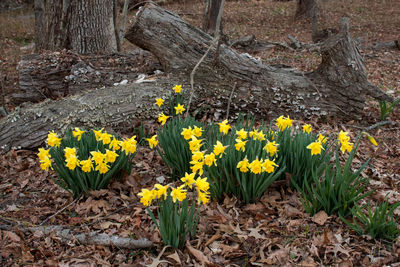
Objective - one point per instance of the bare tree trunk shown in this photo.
(211, 12)
(82, 26)
(306, 8)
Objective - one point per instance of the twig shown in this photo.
(213, 42)
(229, 101)
(369, 128)
(59, 211)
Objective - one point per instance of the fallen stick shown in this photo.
(92, 238)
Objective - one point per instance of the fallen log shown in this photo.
(92, 238)
(338, 87)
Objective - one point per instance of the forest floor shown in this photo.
(274, 231)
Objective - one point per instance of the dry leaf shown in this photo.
(12, 236)
(320, 217)
(197, 254)
(175, 257)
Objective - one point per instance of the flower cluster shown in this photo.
(344, 141)
(283, 122)
(82, 159)
(257, 166)
(178, 106)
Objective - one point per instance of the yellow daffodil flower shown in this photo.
(224, 127)
(161, 190)
(179, 109)
(240, 145)
(87, 165)
(102, 168)
(77, 133)
(322, 139)
(195, 144)
(197, 166)
(111, 156)
(159, 102)
(283, 122)
(346, 146)
(178, 194)
(178, 88)
(43, 153)
(188, 179)
(255, 166)
(69, 152)
(306, 128)
(53, 139)
(45, 163)
(98, 133)
(202, 184)
(197, 131)
(271, 148)
(146, 196)
(98, 157)
(269, 166)
(219, 149)
(210, 159)
(72, 162)
(315, 147)
(203, 197)
(243, 165)
(242, 134)
(114, 144)
(153, 142)
(253, 134)
(105, 138)
(198, 155)
(129, 145)
(162, 118)
(187, 133)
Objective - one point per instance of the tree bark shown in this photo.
(337, 88)
(210, 18)
(267, 89)
(306, 8)
(86, 27)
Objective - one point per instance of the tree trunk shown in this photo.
(306, 8)
(338, 87)
(211, 12)
(86, 27)
(272, 90)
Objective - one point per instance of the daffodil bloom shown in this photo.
(269, 166)
(77, 133)
(197, 166)
(159, 102)
(146, 196)
(210, 159)
(203, 197)
(86, 165)
(260, 136)
(198, 155)
(53, 139)
(153, 142)
(253, 134)
(197, 131)
(72, 162)
(242, 134)
(179, 109)
(243, 165)
(346, 146)
(343, 137)
(255, 166)
(114, 144)
(202, 184)
(271, 148)
(188, 179)
(283, 122)
(322, 139)
(306, 128)
(271, 135)
(178, 88)
(102, 168)
(178, 194)
(69, 152)
(224, 127)
(98, 157)
(161, 190)
(129, 145)
(105, 138)
(371, 139)
(315, 147)
(111, 156)
(195, 144)
(98, 133)
(219, 149)
(43, 153)
(187, 133)
(162, 118)
(45, 163)
(240, 145)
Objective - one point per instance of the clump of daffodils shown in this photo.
(177, 208)
(86, 160)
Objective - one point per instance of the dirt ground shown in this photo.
(275, 231)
